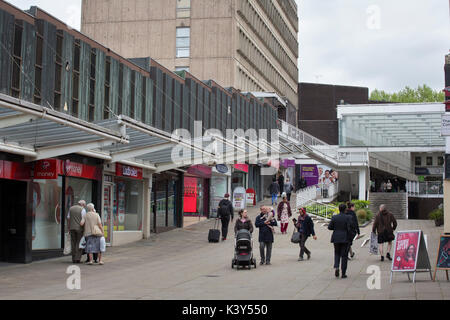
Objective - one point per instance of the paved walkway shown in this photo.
(182, 265)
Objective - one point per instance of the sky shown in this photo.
(379, 44)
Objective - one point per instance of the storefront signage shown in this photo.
(222, 168)
(288, 163)
(46, 169)
(445, 130)
(251, 197)
(443, 256)
(241, 167)
(436, 171)
(190, 195)
(200, 171)
(310, 173)
(239, 198)
(129, 172)
(78, 170)
(15, 170)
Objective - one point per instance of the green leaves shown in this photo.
(408, 95)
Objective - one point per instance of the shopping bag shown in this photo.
(373, 249)
(82, 243)
(67, 244)
(102, 244)
(296, 237)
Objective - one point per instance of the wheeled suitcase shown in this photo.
(214, 234)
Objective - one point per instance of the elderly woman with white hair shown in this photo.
(93, 231)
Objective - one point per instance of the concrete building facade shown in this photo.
(251, 45)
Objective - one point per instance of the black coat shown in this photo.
(308, 226)
(274, 188)
(355, 224)
(265, 233)
(229, 211)
(341, 225)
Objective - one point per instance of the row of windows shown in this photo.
(260, 28)
(290, 9)
(265, 68)
(280, 24)
(247, 83)
(429, 161)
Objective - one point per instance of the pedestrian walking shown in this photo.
(389, 186)
(274, 189)
(384, 226)
(303, 183)
(74, 217)
(93, 232)
(284, 213)
(266, 238)
(288, 188)
(305, 226)
(243, 222)
(225, 212)
(341, 225)
(281, 182)
(355, 230)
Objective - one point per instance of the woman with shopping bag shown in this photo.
(93, 232)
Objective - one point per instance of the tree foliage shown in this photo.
(408, 95)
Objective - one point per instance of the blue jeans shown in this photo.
(274, 198)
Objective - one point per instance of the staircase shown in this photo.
(396, 203)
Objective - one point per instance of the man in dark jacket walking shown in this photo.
(274, 189)
(281, 183)
(385, 225)
(305, 227)
(265, 235)
(355, 231)
(224, 213)
(341, 225)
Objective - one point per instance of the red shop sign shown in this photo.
(46, 169)
(241, 167)
(15, 170)
(78, 170)
(128, 171)
(200, 171)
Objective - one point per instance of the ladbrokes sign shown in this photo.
(128, 171)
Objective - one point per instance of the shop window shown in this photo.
(128, 198)
(46, 222)
(429, 161)
(440, 161)
(78, 189)
(418, 161)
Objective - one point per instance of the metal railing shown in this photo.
(429, 188)
(317, 192)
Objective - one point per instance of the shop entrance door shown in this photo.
(107, 214)
(13, 235)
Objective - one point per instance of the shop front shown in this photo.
(196, 194)
(123, 204)
(220, 185)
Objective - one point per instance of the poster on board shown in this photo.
(443, 256)
(239, 198)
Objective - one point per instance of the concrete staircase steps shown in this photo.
(397, 203)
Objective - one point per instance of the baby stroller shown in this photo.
(243, 250)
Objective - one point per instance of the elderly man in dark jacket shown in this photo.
(342, 226)
(265, 235)
(355, 231)
(385, 225)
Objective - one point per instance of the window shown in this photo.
(440, 161)
(17, 60)
(107, 87)
(183, 42)
(144, 99)
(132, 93)
(58, 70)
(183, 8)
(120, 88)
(182, 69)
(418, 161)
(38, 68)
(76, 78)
(429, 161)
(91, 115)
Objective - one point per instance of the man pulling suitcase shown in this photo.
(225, 212)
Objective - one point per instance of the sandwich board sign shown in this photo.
(410, 254)
(443, 256)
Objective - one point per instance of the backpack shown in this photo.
(223, 209)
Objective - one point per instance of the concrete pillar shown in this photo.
(362, 183)
(447, 206)
(146, 215)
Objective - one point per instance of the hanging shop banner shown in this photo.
(128, 171)
(200, 171)
(78, 170)
(190, 195)
(443, 256)
(251, 197)
(241, 167)
(46, 169)
(288, 163)
(410, 254)
(239, 197)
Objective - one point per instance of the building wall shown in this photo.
(251, 45)
(318, 108)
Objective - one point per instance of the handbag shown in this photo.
(97, 231)
(296, 236)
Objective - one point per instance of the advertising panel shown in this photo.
(406, 251)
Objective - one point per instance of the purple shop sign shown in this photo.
(310, 173)
(288, 163)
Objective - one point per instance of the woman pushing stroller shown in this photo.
(243, 222)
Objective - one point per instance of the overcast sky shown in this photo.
(380, 44)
